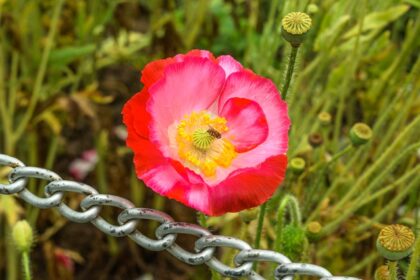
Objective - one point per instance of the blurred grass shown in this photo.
(66, 68)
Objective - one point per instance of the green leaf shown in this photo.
(329, 35)
(414, 3)
(378, 20)
(64, 56)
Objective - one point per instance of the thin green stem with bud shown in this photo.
(288, 202)
(260, 225)
(261, 216)
(202, 219)
(392, 267)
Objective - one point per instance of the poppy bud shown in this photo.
(23, 236)
(360, 134)
(295, 25)
(293, 242)
(382, 273)
(313, 8)
(395, 242)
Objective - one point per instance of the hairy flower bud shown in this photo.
(293, 242)
(22, 236)
(382, 273)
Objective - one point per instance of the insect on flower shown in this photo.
(207, 132)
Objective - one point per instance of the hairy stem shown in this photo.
(413, 266)
(26, 266)
(289, 73)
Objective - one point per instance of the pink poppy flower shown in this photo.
(208, 133)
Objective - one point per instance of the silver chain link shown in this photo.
(166, 233)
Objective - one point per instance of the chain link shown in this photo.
(166, 233)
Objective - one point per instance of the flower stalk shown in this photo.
(415, 257)
(295, 26)
(289, 73)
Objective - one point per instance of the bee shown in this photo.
(213, 132)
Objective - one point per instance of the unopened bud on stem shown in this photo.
(23, 236)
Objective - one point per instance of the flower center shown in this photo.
(201, 144)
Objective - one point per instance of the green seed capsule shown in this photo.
(313, 229)
(324, 118)
(315, 139)
(360, 134)
(295, 25)
(297, 165)
(395, 242)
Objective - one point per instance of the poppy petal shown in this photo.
(229, 64)
(135, 114)
(247, 85)
(247, 124)
(188, 86)
(153, 71)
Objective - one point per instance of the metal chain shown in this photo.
(166, 233)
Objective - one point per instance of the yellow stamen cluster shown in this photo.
(201, 144)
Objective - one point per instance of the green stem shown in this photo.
(392, 267)
(388, 188)
(341, 153)
(380, 163)
(333, 225)
(260, 225)
(5, 118)
(41, 72)
(390, 206)
(11, 261)
(289, 74)
(362, 264)
(202, 219)
(261, 217)
(413, 266)
(26, 262)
